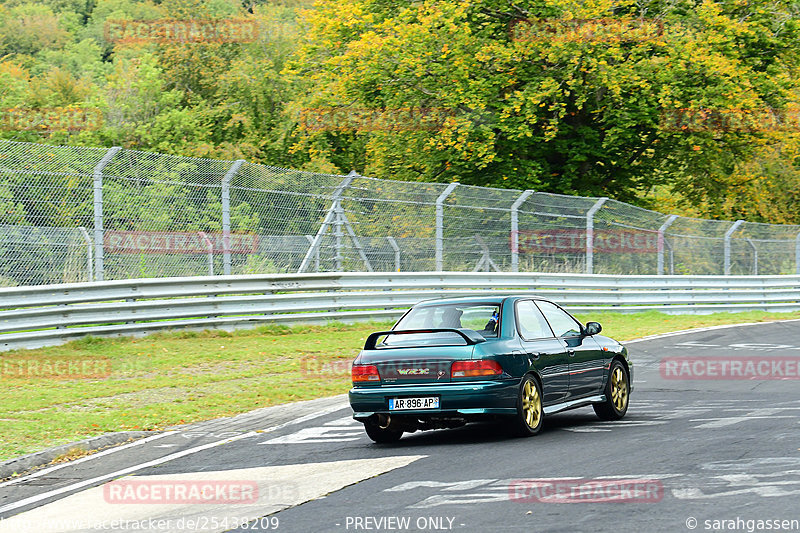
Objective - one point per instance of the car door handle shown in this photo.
(571, 352)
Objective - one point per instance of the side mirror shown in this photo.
(592, 328)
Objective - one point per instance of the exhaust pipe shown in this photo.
(384, 421)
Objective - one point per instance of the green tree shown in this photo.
(557, 96)
(29, 28)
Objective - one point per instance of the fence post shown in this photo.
(89, 254)
(331, 217)
(515, 229)
(337, 233)
(797, 254)
(98, 211)
(396, 248)
(727, 254)
(590, 234)
(440, 225)
(209, 251)
(226, 215)
(671, 257)
(661, 231)
(310, 240)
(755, 256)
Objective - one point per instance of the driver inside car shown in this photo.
(451, 318)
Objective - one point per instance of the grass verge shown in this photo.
(181, 377)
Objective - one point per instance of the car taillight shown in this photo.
(469, 369)
(363, 373)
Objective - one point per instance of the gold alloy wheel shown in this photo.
(619, 389)
(531, 404)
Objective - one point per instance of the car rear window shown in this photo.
(483, 318)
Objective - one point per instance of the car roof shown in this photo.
(477, 299)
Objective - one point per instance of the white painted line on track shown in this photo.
(340, 430)
(730, 421)
(311, 416)
(709, 328)
(119, 473)
(177, 455)
(278, 488)
(88, 458)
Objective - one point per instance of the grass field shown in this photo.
(181, 377)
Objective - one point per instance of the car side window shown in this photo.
(563, 325)
(530, 322)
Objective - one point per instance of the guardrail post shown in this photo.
(515, 229)
(727, 252)
(226, 215)
(330, 217)
(396, 248)
(440, 225)
(98, 211)
(590, 234)
(89, 254)
(661, 231)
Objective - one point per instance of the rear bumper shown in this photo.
(467, 399)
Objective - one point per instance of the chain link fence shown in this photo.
(80, 214)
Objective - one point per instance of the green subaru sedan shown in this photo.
(518, 359)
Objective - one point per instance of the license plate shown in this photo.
(402, 404)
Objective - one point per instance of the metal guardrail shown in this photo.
(45, 315)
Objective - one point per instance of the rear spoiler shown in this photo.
(470, 335)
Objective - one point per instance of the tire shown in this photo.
(382, 435)
(530, 413)
(617, 394)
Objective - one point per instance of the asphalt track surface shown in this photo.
(691, 455)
